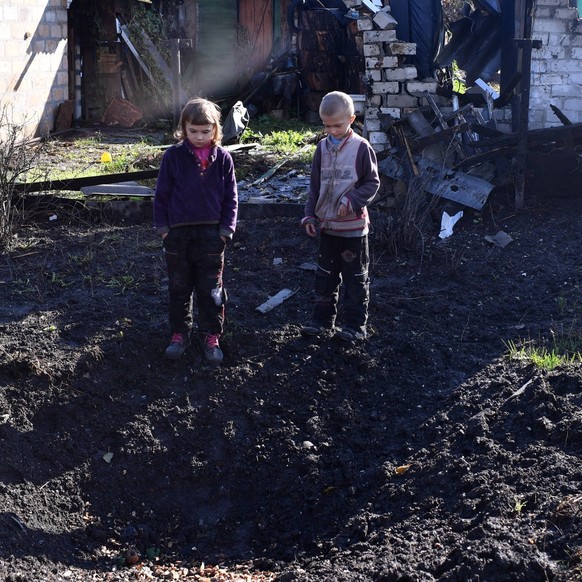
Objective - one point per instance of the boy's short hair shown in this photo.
(336, 102)
(200, 111)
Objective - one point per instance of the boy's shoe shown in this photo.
(177, 347)
(211, 348)
(350, 335)
(314, 330)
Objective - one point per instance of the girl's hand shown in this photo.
(164, 235)
(310, 229)
(343, 210)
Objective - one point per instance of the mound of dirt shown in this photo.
(424, 454)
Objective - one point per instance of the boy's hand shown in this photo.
(343, 210)
(310, 229)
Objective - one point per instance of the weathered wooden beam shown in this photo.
(76, 184)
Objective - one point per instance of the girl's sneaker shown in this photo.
(177, 347)
(211, 348)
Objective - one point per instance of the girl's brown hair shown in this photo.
(201, 111)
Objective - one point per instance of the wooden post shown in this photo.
(526, 45)
(176, 44)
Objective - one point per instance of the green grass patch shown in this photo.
(288, 137)
(547, 354)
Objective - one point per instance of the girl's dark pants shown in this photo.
(342, 260)
(195, 262)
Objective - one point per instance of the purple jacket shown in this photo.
(186, 195)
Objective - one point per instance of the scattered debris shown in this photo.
(272, 302)
(121, 112)
(501, 239)
(447, 223)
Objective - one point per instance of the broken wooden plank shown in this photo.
(75, 184)
(276, 300)
(534, 137)
(134, 51)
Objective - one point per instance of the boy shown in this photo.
(344, 180)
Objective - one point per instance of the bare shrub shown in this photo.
(411, 224)
(16, 160)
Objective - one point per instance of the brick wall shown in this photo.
(556, 77)
(33, 62)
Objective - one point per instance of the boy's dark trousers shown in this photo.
(346, 260)
(195, 262)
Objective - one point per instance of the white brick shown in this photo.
(379, 35)
(382, 63)
(547, 25)
(415, 87)
(400, 101)
(382, 88)
(373, 125)
(372, 50)
(365, 24)
(372, 112)
(542, 12)
(566, 90)
(551, 3)
(377, 137)
(371, 74)
(401, 48)
(385, 21)
(566, 13)
(402, 74)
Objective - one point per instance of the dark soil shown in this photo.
(424, 454)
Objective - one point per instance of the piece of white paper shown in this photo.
(447, 223)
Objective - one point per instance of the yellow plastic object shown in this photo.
(105, 157)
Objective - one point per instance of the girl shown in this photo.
(195, 212)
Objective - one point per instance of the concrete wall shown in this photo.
(33, 62)
(557, 67)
